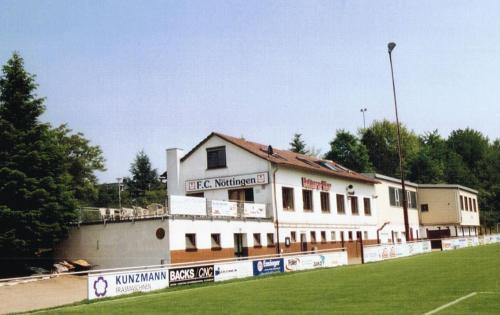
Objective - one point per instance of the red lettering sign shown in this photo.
(314, 184)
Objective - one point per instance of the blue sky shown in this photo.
(150, 75)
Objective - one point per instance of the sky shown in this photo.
(151, 75)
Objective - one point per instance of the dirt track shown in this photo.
(39, 294)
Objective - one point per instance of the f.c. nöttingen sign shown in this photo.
(227, 182)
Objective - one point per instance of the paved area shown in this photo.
(45, 293)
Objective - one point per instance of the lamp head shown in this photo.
(391, 46)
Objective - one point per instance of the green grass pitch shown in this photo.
(412, 285)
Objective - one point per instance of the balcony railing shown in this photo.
(179, 206)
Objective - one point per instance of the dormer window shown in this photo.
(216, 157)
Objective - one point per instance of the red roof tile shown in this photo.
(290, 159)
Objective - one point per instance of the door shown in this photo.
(240, 249)
(303, 242)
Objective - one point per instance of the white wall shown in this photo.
(226, 228)
(238, 162)
(317, 220)
(393, 214)
(113, 245)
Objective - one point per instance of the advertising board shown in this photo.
(187, 205)
(185, 275)
(224, 208)
(114, 284)
(304, 262)
(383, 252)
(266, 266)
(254, 210)
(232, 270)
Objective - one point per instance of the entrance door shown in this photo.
(303, 242)
(240, 248)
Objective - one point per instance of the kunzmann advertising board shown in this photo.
(265, 266)
(187, 275)
(227, 182)
(233, 270)
(113, 284)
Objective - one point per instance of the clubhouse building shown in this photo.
(229, 197)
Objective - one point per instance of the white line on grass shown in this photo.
(451, 303)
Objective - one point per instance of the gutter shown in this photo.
(278, 248)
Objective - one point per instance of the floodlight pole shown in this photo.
(363, 110)
(408, 237)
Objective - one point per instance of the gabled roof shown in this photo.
(290, 159)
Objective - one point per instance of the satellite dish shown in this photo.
(270, 150)
(350, 189)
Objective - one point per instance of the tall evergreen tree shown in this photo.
(36, 203)
(298, 145)
(144, 177)
(348, 151)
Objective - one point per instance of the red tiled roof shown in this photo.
(290, 159)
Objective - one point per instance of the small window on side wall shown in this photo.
(256, 240)
(293, 236)
(424, 207)
(215, 241)
(190, 241)
(270, 239)
(216, 157)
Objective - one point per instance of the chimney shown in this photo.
(174, 184)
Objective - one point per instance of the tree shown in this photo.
(470, 144)
(81, 161)
(144, 177)
(380, 139)
(298, 145)
(36, 202)
(348, 151)
(429, 164)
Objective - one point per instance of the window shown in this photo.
(334, 237)
(350, 235)
(342, 236)
(412, 199)
(365, 235)
(368, 207)
(197, 194)
(340, 204)
(461, 202)
(475, 206)
(287, 195)
(470, 204)
(323, 237)
(256, 240)
(307, 199)
(293, 237)
(216, 157)
(313, 237)
(270, 239)
(424, 207)
(242, 195)
(190, 241)
(466, 204)
(216, 241)
(354, 205)
(325, 201)
(394, 197)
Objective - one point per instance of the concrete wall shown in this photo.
(123, 244)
